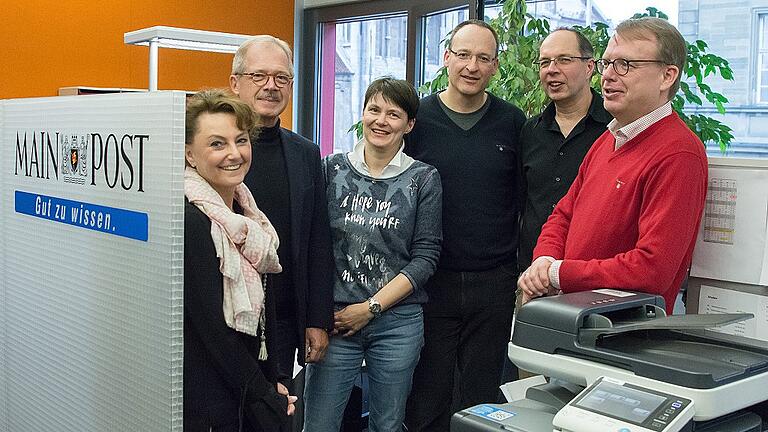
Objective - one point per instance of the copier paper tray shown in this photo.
(634, 333)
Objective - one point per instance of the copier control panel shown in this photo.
(610, 405)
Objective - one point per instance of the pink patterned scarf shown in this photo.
(247, 249)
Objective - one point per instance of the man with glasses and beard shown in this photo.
(630, 219)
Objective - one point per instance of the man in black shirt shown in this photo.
(555, 142)
(471, 137)
(287, 183)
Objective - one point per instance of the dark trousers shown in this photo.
(467, 322)
(283, 353)
(282, 349)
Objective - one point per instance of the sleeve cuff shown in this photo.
(269, 413)
(554, 274)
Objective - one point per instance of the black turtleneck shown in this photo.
(268, 181)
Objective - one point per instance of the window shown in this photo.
(762, 59)
(436, 28)
(559, 13)
(350, 45)
(344, 36)
(346, 46)
(371, 51)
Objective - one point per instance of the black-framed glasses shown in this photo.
(620, 65)
(261, 78)
(466, 56)
(544, 63)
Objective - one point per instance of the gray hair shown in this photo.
(238, 63)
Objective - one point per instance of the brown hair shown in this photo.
(670, 45)
(397, 91)
(219, 101)
(479, 23)
(585, 46)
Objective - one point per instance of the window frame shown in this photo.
(755, 58)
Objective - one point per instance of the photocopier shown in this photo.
(616, 362)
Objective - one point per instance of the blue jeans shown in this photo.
(390, 346)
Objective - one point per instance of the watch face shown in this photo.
(374, 307)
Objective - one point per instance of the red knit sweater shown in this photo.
(630, 219)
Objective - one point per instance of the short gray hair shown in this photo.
(238, 63)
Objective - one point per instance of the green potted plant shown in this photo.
(518, 79)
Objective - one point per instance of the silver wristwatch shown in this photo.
(374, 307)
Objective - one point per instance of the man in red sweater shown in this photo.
(630, 219)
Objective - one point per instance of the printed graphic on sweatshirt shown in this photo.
(366, 219)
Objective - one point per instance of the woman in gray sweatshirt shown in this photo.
(385, 210)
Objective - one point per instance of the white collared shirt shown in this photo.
(633, 129)
(399, 163)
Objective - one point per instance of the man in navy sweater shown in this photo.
(471, 137)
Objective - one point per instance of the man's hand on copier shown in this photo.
(534, 281)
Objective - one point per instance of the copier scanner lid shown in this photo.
(631, 331)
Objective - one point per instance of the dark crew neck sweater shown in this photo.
(268, 181)
(480, 174)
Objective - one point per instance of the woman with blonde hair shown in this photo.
(229, 248)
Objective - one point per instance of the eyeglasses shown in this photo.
(559, 61)
(620, 65)
(261, 78)
(465, 56)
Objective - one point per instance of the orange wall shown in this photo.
(47, 44)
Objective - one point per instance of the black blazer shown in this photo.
(312, 256)
(221, 365)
